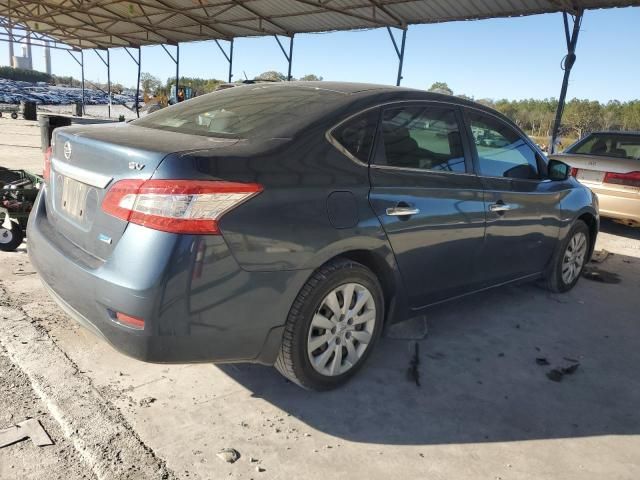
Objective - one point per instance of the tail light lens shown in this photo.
(177, 206)
(46, 171)
(574, 172)
(631, 179)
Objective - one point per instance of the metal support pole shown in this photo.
(399, 52)
(176, 60)
(107, 64)
(138, 83)
(231, 60)
(109, 80)
(138, 63)
(568, 61)
(10, 32)
(229, 56)
(82, 68)
(288, 56)
(81, 63)
(177, 69)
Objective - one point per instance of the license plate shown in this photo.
(74, 195)
(593, 176)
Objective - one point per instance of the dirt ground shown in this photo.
(485, 408)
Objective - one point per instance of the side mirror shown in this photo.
(558, 170)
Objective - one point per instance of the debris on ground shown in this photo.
(557, 374)
(599, 256)
(30, 428)
(260, 469)
(598, 275)
(229, 455)
(147, 401)
(542, 361)
(413, 374)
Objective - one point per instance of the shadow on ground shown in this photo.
(609, 226)
(478, 371)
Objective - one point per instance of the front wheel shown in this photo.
(569, 261)
(332, 326)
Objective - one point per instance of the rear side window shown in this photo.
(422, 137)
(502, 152)
(356, 135)
(609, 145)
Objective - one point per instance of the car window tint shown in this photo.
(502, 152)
(422, 137)
(609, 145)
(357, 134)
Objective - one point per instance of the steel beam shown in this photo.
(228, 56)
(399, 52)
(107, 64)
(567, 65)
(288, 56)
(138, 62)
(81, 63)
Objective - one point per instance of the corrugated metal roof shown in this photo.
(117, 23)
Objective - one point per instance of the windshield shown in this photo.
(244, 112)
(609, 145)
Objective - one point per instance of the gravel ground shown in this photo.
(24, 460)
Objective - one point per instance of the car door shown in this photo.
(522, 207)
(428, 199)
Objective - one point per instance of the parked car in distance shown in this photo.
(286, 223)
(609, 164)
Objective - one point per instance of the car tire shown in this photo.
(569, 259)
(343, 334)
(14, 115)
(11, 239)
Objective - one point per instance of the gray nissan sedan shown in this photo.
(286, 224)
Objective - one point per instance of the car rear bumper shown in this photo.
(618, 205)
(197, 303)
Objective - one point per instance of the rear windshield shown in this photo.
(245, 112)
(609, 145)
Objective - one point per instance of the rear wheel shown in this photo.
(569, 260)
(332, 326)
(11, 239)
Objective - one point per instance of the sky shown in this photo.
(510, 58)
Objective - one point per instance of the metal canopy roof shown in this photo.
(118, 23)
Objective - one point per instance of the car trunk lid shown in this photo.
(87, 160)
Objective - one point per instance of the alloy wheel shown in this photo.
(341, 329)
(574, 257)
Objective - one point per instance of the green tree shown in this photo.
(150, 85)
(311, 78)
(441, 87)
(271, 76)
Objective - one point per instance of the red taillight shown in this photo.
(574, 172)
(129, 321)
(178, 206)
(631, 179)
(46, 171)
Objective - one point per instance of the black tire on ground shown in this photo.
(553, 280)
(11, 239)
(14, 115)
(293, 360)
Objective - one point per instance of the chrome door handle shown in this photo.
(499, 207)
(402, 211)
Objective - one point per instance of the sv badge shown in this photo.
(136, 166)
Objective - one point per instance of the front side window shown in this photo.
(356, 135)
(502, 152)
(609, 145)
(422, 137)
